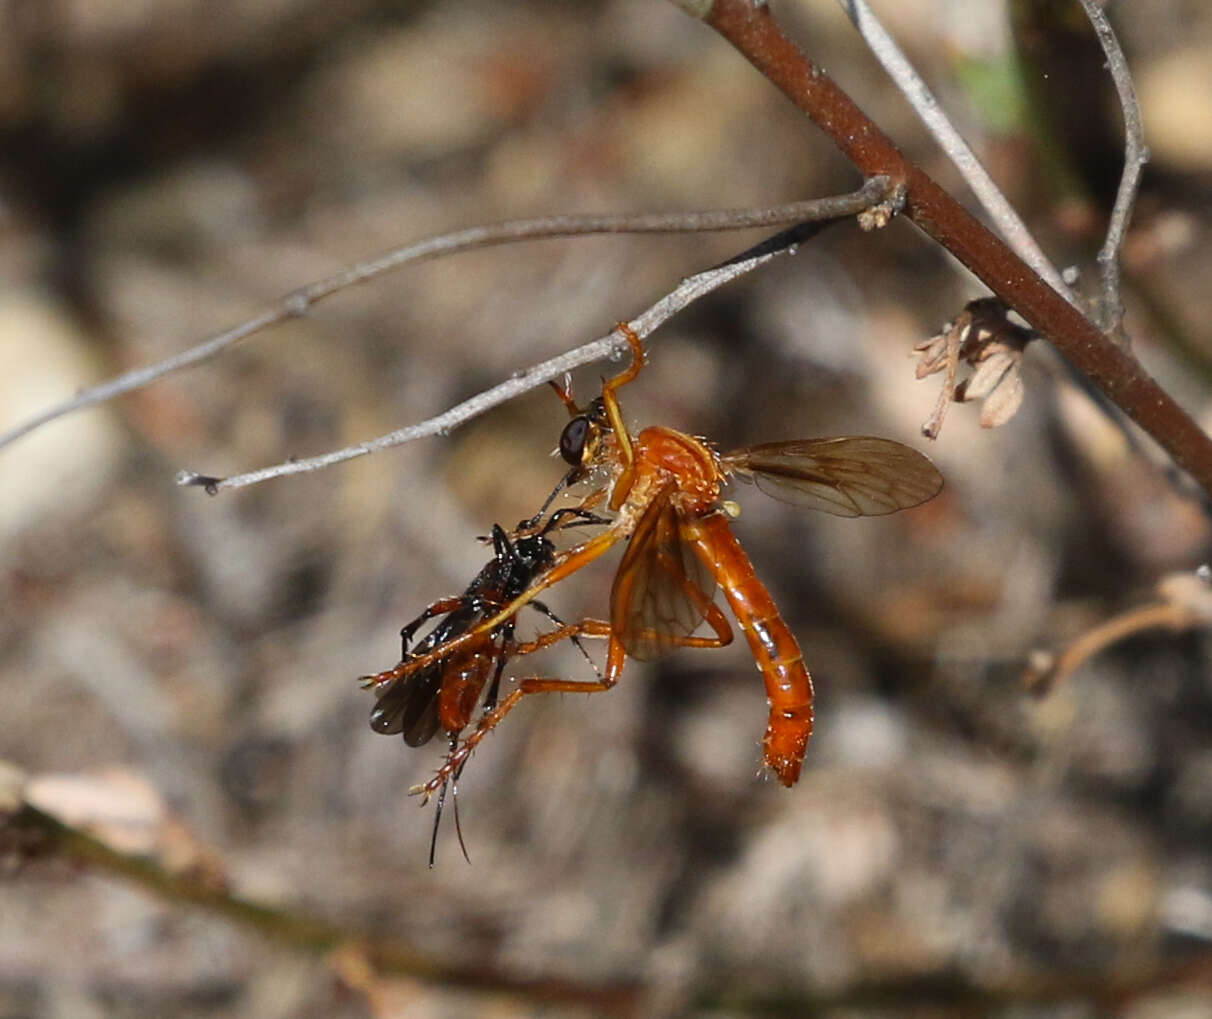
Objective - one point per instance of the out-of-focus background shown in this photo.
(954, 846)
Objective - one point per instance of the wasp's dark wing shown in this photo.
(850, 476)
(410, 706)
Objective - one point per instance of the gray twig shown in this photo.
(874, 193)
(945, 134)
(1136, 155)
(299, 302)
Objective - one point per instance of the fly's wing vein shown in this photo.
(850, 476)
(651, 606)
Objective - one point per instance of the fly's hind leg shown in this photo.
(457, 758)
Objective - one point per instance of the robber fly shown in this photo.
(664, 489)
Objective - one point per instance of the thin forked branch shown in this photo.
(1183, 602)
(813, 215)
(993, 201)
(996, 205)
(1135, 158)
(299, 302)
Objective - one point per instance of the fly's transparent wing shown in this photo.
(661, 587)
(849, 476)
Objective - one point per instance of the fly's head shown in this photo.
(586, 440)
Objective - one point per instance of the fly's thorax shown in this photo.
(604, 466)
(692, 464)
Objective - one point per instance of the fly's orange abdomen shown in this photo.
(774, 647)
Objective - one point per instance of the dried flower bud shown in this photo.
(983, 337)
(1003, 403)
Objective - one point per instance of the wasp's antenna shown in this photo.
(437, 820)
(454, 798)
(453, 785)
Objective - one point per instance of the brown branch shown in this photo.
(27, 830)
(957, 993)
(750, 27)
(1183, 602)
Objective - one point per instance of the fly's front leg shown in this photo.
(580, 515)
(571, 561)
(611, 402)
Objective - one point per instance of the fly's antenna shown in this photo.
(564, 391)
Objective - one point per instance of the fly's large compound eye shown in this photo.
(572, 440)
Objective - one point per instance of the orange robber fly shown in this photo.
(663, 487)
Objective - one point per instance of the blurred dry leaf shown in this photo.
(12, 788)
(1004, 398)
(384, 997)
(125, 812)
(116, 806)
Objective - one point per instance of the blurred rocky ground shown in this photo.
(955, 846)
